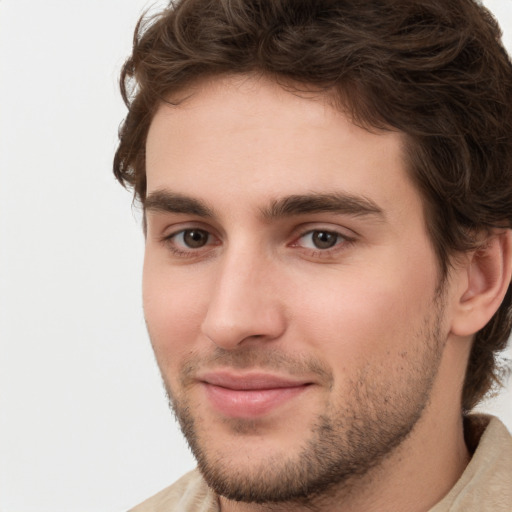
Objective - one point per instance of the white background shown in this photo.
(84, 424)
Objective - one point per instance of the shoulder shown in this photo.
(486, 484)
(189, 494)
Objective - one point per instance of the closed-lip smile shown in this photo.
(249, 394)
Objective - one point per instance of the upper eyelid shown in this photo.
(343, 239)
(301, 230)
(298, 231)
(183, 251)
(309, 227)
(174, 233)
(338, 231)
(158, 217)
(173, 229)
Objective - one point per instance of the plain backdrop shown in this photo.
(84, 424)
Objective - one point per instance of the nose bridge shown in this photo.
(244, 302)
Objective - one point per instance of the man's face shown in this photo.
(290, 288)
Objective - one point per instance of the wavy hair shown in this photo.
(433, 69)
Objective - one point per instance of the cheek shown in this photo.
(173, 309)
(357, 317)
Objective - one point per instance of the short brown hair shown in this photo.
(432, 69)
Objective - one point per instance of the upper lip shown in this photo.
(249, 381)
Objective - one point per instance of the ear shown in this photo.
(483, 282)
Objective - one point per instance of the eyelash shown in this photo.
(341, 242)
(169, 242)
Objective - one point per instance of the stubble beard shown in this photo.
(345, 443)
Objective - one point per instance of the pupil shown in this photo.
(324, 239)
(195, 238)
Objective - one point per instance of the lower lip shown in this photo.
(250, 403)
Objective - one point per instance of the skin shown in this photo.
(363, 326)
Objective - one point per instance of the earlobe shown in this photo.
(487, 275)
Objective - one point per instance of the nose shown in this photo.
(244, 303)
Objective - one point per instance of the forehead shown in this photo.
(250, 136)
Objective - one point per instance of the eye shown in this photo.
(320, 239)
(192, 238)
(188, 242)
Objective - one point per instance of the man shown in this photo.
(327, 201)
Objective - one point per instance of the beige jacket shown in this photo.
(485, 485)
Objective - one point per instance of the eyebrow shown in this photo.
(289, 206)
(338, 202)
(172, 202)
